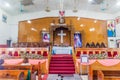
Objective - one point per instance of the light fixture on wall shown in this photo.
(29, 21)
(95, 21)
(92, 29)
(44, 29)
(78, 18)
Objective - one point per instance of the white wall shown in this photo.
(4, 28)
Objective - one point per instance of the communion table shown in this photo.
(61, 50)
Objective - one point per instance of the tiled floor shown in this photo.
(73, 77)
(84, 77)
(66, 77)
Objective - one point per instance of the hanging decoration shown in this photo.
(103, 5)
(75, 6)
(21, 7)
(61, 13)
(47, 9)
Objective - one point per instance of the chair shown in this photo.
(28, 52)
(39, 52)
(109, 54)
(16, 53)
(115, 53)
(84, 52)
(3, 52)
(45, 53)
(96, 52)
(33, 52)
(10, 53)
(90, 52)
(78, 53)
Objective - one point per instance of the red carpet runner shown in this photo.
(61, 64)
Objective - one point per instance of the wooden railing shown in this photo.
(100, 75)
(49, 58)
(74, 59)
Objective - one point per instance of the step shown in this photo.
(62, 65)
(62, 59)
(61, 68)
(62, 62)
(61, 72)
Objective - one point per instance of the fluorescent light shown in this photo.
(81, 25)
(78, 18)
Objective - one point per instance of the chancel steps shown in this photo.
(61, 64)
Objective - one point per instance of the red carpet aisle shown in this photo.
(61, 64)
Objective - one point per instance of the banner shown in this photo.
(77, 40)
(46, 37)
(111, 28)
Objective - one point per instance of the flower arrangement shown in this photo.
(31, 56)
(98, 56)
(117, 56)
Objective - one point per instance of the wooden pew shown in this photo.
(12, 74)
(103, 71)
(32, 68)
(100, 75)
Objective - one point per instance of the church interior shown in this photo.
(59, 40)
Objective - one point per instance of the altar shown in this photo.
(61, 50)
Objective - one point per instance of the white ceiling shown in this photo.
(14, 6)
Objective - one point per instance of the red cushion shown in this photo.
(109, 54)
(33, 52)
(115, 53)
(96, 52)
(39, 52)
(3, 52)
(16, 53)
(78, 53)
(28, 52)
(84, 52)
(10, 53)
(45, 53)
(90, 52)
